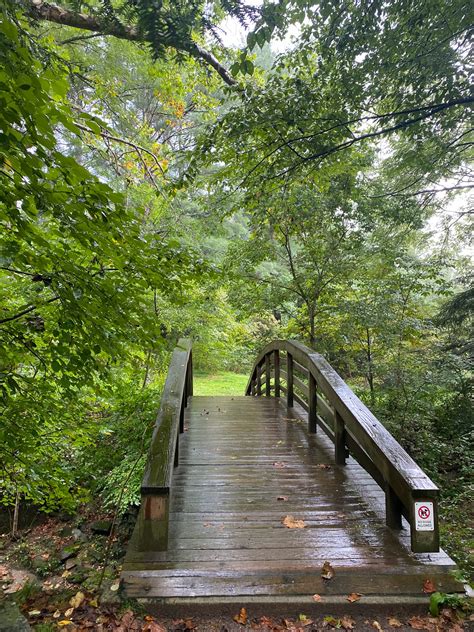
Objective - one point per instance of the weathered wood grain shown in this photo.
(226, 536)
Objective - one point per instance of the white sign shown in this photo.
(424, 516)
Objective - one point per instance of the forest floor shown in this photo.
(53, 574)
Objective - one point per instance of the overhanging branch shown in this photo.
(53, 13)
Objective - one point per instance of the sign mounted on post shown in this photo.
(424, 516)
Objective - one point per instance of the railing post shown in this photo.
(181, 414)
(339, 439)
(189, 377)
(276, 363)
(176, 453)
(259, 380)
(153, 520)
(312, 405)
(393, 508)
(289, 384)
(424, 525)
(268, 376)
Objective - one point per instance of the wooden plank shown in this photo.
(238, 457)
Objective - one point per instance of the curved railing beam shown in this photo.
(163, 456)
(354, 429)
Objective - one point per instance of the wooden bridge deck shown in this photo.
(244, 464)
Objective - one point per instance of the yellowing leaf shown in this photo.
(292, 523)
(241, 617)
(64, 622)
(76, 601)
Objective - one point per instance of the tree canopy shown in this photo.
(156, 181)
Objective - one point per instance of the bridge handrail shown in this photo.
(163, 455)
(354, 429)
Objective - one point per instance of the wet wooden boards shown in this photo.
(246, 463)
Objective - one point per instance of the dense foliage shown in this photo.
(309, 194)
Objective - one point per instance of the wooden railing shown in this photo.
(163, 457)
(312, 383)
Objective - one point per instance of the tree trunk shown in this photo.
(312, 327)
(16, 516)
(370, 374)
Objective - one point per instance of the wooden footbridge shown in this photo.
(292, 490)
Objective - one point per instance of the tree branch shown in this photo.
(28, 310)
(53, 13)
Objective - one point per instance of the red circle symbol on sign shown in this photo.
(424, 512)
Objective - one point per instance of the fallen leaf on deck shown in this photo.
(327, 571)
(347, 623)
(354, 597)
(241, 617)
(323, 466)
(316, 597)
(376, 625)
(76, 601)
(285, 498)
(293, 523)
(428, 587)
(394, 622)
(279, 464)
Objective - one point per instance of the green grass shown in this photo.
(222, 383)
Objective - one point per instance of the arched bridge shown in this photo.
(290, 490)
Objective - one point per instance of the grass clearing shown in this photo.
(222, 383)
